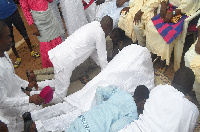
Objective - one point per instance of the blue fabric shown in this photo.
(114, 110)
(7, 8)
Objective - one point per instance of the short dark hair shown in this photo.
(119, 32)
(141, 93)
(183, 80)
(2, 27)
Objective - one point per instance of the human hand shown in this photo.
(31, 85)
(84, 3)
(35, 30)
(36, 99)
(163, 10)
(98, 2)
(3, 127)
(137, 18)
(119, 3)
(197, 47)
(168, 17)
(125, 9)
(32, 77)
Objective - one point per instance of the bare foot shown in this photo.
(33, 127)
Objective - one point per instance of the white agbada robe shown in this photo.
(166, 110)
(128, 69)
(88, 41)
(73, 14)
(90, 11)
(110, 8)
(13, 102)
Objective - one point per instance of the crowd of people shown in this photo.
(124, 38)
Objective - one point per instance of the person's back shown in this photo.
(167, 109)
(81, 44)
(115, 109)
(104, 116)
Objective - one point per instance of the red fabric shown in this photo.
(45, 47)
(86, 6)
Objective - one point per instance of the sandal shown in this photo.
(35, 54)
(17, 62)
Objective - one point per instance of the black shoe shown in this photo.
(27, 116)
(27, 121)
(28, 125)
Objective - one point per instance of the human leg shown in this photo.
(45, 47)
(139, 31)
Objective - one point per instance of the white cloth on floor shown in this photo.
(166, 110)
(110, 8)
(73, 14)
(128, 69)
(13, 102)
(88, 41)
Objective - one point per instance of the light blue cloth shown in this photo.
(114, 110)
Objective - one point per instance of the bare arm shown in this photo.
(120, 2)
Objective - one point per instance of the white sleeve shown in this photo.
(101, 50)
(6, 102)
(45, 83)
(21, 82)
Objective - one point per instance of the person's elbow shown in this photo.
(119, 4)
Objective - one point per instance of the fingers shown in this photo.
(39, 100)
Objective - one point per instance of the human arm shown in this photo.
(119, 3)
(163, 9)
(197, 46)
(26, 10)
(101, 53)
(126, 9)
(104, 93)
(137, 18)
(3, 127)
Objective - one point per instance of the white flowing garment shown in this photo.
(73, 14)
(110, 8)
(128, 69)
(13, 102)
(166, 110)
(88, 41)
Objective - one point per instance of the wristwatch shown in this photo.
(174, 13)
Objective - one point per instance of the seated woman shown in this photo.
(115, 109)
(192, 60)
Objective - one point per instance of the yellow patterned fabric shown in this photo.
(159, 46)
(127, 22)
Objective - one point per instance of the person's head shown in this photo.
(117, 35)
(5, 39)
(140, 95)
(183, 80)
(107, 24)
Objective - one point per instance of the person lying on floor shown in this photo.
(115, 109)
(127, 75)
(13, 102)
(167, 109)
(88, 41)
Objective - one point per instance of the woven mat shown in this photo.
(160, 77)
